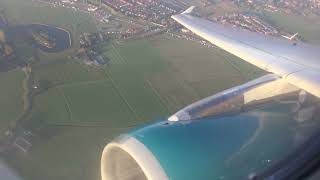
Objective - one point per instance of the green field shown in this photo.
(307, 27)
(84, 108)
(11, 101)
(196, 72)
(78, 109)
(64, 71)
(21, 12)
(66, 153)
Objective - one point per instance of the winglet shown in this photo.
(293, 36)
(176, 17)
(189, 10)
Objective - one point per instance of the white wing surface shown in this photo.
(299, 64)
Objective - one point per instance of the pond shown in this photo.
(62, 37)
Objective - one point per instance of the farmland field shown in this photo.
(76, 109)
(196, 72)
(307, 27)
(11, 101)
(20, 12)
(64, 71)
(83, 108)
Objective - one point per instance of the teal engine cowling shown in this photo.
(225, 147)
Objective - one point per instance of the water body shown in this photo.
(63, 37)
(7, 173)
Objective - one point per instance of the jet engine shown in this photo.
(231, 146)
(230, 135)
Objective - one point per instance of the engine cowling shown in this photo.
(226, 147)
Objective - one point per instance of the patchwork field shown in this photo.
(11, 101)
(307, 27)
(66, 71)
(66, 153)
(195, 72)
(21, 12)
(78, 109)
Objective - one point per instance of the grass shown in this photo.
(85, 108)
(71, 153)
(130, 77)
(49, 107)
(27, 12)
(81, 109)
(64, 71)
(307, 27)
(195, 72)
(11, 103)
(98, 103)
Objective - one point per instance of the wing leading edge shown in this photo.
(298, 64)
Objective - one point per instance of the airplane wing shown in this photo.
(298, 64)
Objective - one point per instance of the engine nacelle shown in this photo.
(227, 147)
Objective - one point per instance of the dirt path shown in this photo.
(26, 88)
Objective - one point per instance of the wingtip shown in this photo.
(186, 12)
(189, 10)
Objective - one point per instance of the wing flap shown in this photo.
(308, 80)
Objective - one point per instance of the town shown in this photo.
(248, 22)
(302, 7)
(150, 13)
(134, 19)
(77, 73)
